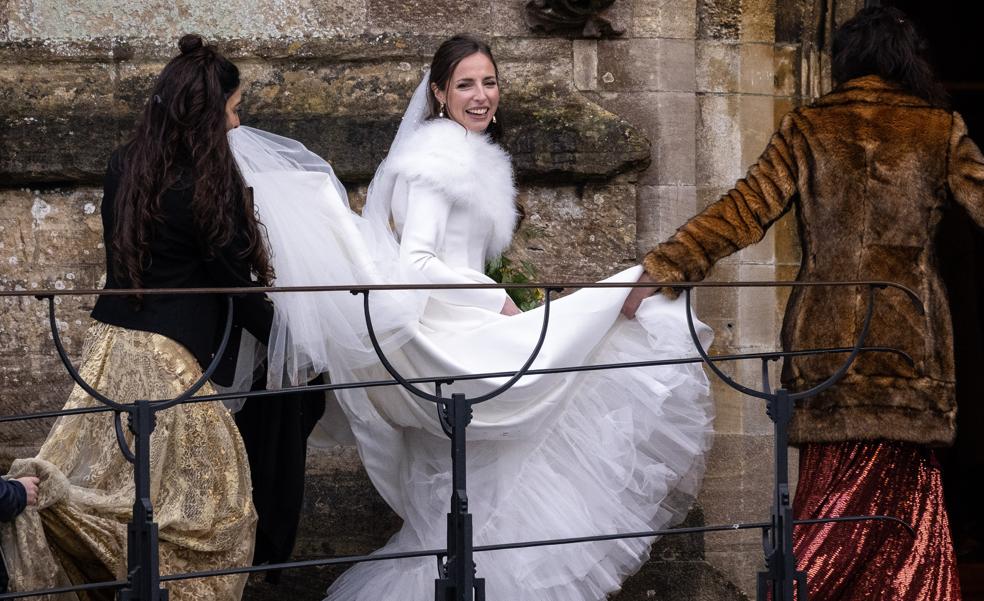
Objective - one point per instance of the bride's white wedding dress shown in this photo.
(556, 456)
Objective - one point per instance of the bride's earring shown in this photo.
(493, 119)
(440, 113)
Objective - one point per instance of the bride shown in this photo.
(557, 455)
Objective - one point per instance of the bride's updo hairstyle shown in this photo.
(181, 139)
(449, 54)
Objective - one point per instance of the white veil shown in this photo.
(379, 201)
(316, 240)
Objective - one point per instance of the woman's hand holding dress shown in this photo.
(509, 308)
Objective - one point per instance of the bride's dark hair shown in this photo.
(451, 52)
(182, 136)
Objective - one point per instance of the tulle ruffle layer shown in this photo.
(623, 454)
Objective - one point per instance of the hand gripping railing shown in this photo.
(458, 580)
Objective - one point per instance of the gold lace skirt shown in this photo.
(200, 482)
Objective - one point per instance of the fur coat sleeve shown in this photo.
(965, 171)
(739, 219)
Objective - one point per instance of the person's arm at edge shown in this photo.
(738, 219)
(965, 171)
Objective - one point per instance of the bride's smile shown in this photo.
(471, 96)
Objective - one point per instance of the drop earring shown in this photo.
(440, 113)
(493, 119)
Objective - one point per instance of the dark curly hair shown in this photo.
(883, 41)
(182, 133)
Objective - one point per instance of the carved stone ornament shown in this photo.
(580, 18)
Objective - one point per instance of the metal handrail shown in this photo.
(143, 580)
(273, 392)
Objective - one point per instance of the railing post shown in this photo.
(458, 582)
(780, 574)
(143, 561)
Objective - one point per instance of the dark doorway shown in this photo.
(952, 28)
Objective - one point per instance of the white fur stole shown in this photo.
(469, 167)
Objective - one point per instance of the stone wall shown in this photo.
(616, 143)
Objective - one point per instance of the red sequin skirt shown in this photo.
(874, 561)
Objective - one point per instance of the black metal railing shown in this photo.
(458, 578)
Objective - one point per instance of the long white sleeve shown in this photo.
(423, 241)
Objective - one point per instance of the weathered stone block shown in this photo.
(509, 19)
(61, 88)
(757, 126)
(719, 160)
(552, 53)
(677, 204)
(791, 17)
(664, 18)
(739, 568)
(758, 20)
(58, 149)
(727, 401)
(786, 67)
(39, 385)
(718, 66)
(445, 17)
(728, 410)
(759, 449)
(86, 19)
(669, 120)
(586, 64)
(575, 234)
(757, 73)
(553, 133)
(758, 318)
(724, 337)
(646, 65)
(348, 113)
(676, 145)
(688, 580)
(719, 19)
(48, 230)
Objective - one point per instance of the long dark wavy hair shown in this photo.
(181, 135)
(449, 54)
(883, 41)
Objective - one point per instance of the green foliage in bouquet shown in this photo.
(507, 271)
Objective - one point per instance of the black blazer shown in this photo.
(177, 259)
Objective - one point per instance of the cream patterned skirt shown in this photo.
(200, 482)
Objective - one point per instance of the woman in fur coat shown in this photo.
(872, 167)
(557, 455)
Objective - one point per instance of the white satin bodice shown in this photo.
(446, 242)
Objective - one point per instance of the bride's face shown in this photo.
(472, 95)
(232, 109)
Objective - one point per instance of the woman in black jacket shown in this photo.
(176, 214)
